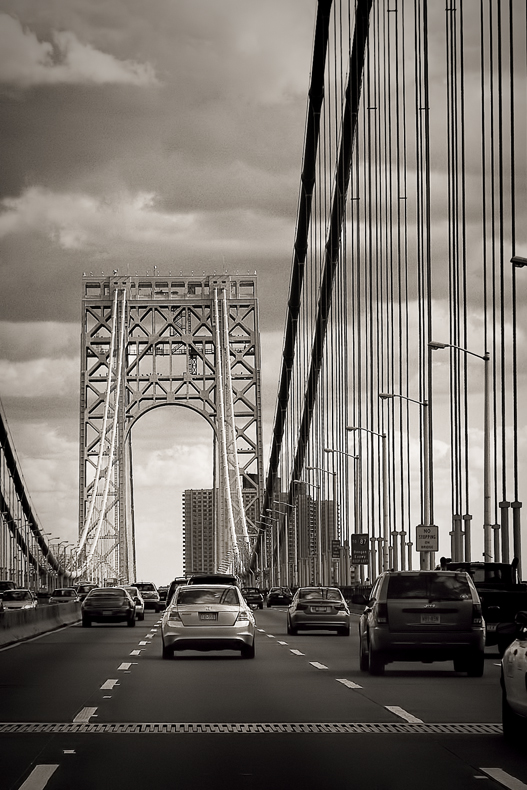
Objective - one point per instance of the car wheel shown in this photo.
(248, 651)
(141, 616)
(460, 665)
(167, 653)
(476, 665)
(291, 630)
(131, 622)
(343, 631)
(86, 622)
(514, 726)
(364, 658)
(376, 662)
(268, 605)
(260, 606)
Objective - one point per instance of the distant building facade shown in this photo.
(198, 531)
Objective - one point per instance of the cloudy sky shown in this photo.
(135, 134)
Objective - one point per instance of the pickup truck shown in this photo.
(501, 594)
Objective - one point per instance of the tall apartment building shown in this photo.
(198, 531)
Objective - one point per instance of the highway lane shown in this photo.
(76, 684)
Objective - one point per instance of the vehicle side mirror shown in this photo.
(359, 599)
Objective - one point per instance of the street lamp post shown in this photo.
(385, 536)
(426, 562)
(356, 458)
(517, 263)
(487, 527)
(319, 552)
(335, 518)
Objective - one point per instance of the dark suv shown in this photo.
(422, 616)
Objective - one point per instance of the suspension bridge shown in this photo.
(402, 297)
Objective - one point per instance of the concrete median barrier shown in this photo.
(15, 626)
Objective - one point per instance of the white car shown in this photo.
(514, 683)
(138, 600)
(208, 617)
(64, 595)
(19, 599)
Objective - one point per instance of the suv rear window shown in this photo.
(429, 586)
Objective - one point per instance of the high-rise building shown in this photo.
(198, 531)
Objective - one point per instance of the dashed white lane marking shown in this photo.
(404, 714)
(126, 665)
(348, 683)
(39, 777)
(271, 636)
(282, 643)
(318, 665)
(109, 684)
(84, 715)
(135, 653)
(297, 652)
(262, 630)
(504, 778)
(143, 643)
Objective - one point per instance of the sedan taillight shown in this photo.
(381, 613)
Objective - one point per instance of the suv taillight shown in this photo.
(381, 614)
(477, 615)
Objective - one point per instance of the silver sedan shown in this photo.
(208, 617)
(320, 608)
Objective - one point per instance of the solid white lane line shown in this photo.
(348, 683)
(317, 665)
(109, 684)
(135, 653)
(404, 714)
(39, 777)
(504, 778)
(297, 652)
(84, 715)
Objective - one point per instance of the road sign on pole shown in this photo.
(360, 549)
(427, 537)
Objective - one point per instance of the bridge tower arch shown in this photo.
(150, 341)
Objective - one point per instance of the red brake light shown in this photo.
(477, 615)
(382, 613)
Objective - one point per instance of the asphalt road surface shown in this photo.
(98, 709)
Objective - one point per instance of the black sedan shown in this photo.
(279, 596)
(253, 596)
(108, 605)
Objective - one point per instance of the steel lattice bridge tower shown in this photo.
(152, 341)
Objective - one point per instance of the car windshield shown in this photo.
(318, 592)
(250, 590)
(17, 595)
(146, 586)
(209, 595)
(443, 587)
(63, 593)
(85, 588)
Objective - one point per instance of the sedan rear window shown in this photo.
(107, 594)
(431, 587)
(320, 592)
(210, 595)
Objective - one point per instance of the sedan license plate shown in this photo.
(208, 615)
(430, 618)
(319, 609)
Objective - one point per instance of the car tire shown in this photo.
(167, 653)
(248, 651)
(364, 658)
(376, 662)
(291, 630)
(460, 664)
(141, 616)
(514, 726)
(260, 606)
(343, 631)
(131, 622)
(86, 622)
(476, 665)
